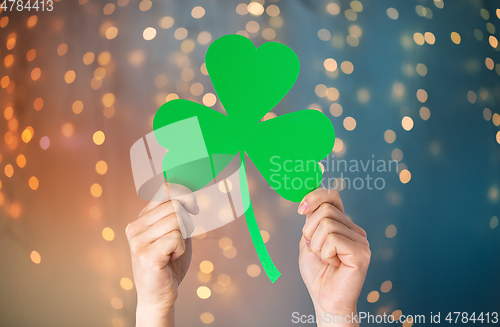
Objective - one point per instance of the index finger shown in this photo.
(314, 199)
(170, 191)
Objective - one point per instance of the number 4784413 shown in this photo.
(29, 5)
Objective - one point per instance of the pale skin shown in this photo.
(333, 260)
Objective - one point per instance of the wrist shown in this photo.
(337, 317)
(154, 316)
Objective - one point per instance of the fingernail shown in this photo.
(308, 244)
(303, 207)
(323, 262)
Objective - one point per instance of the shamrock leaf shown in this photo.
(249, 82)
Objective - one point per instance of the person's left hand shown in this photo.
(334, 254)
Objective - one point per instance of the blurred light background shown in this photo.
(412, 81)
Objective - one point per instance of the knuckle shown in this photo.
(129, 230)
(325, 206)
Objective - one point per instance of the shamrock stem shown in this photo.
(266, 261)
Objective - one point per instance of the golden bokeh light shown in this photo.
(392, 13)
(203, 292)
(104, 58)
(99, 137)
(230, 252)
(108, 234)
(126, 283)
(419, 38)
(203, 278)
(8, 170)
(389, 136)
(455, 37)
(101, 167)
(490, 64)
(422, 95)
(108, 9)
(225, 242)
(349, 123)
(338, 146)
(391, 231)
(330, 64)
(429, 38)
(116, 303)
(255, 8)
(77, 107)
(149, 33)
(321, 90)
(31, 55)
(181, 33)
(324, 34)
(8, 60)
(269, 34)
(206, 266)
(88, 58)
(21, 161)
(166, 22)
(332, 94)
(496, 119)
(70, 76)
(207, 318)
(397, 155)
(405, 176)
(333, 8)
(209, 99)
(421, 69)
(425, 113)
(253, 270)
(145, 5)
(336, 110)
(15, 210)
(204, 37)
(493, 41)
(386, 286)
(36, 257)
(472, 97)
(265, 236)
(38, 104)
(33, 183)
(198, 12)
(242, 9)
(27, 134)
(32, 21)
(36, 73)
(96, 190)
(224, 280)
(347, 67)
(273, 10)
(62, 49)
(67, 129)
(373, 296)
(407, 123)
(252, 27)
(196, 89)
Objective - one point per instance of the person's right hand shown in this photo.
(160, 256)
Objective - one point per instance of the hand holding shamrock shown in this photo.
(334, 255)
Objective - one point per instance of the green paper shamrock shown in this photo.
(249, 82)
